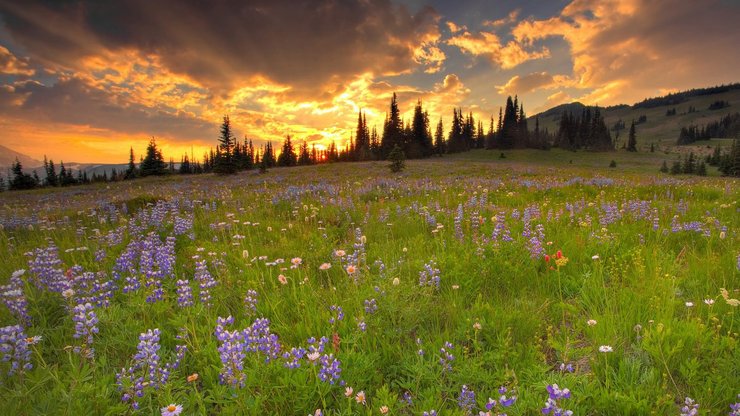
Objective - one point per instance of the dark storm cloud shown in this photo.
(71, 101)
(301, 43)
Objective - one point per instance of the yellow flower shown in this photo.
(561, 261)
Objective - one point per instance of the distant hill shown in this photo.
(8, 156)
(663, 116)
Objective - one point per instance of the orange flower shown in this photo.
(192, 377)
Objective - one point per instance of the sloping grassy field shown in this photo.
(354, 291)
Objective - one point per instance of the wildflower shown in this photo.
(595, 257)
(690, 407)
(605, 348)
(172, 410)
(68, 293)
(455, 287)
(709, 302)
(726, 296)
(384, 410)
(313, 356)
(547, 258)
(282, 279)
(477, 326)
(553, 405)
(371, 306)
(360, 398)
(348, 391)
(193, 377)
(340, 253)
(351, 269)
(14, 348)
(184, 293)
(296, 261)
(396, 281)
(86, 322)
(430, 413)
(566, 368)
(318, 412)
(325, 266)
(591, 322)
(689, 304)
(559, 255)
(735, 407)
(466, 399)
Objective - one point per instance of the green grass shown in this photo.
(531, 315)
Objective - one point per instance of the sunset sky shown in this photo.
(84, 80)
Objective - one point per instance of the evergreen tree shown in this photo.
(21, 180)
(439, 139)
(632, 141)
(153, 163)
(664, 167)
(676, 168)
(224, 163)
(305, 157)
(51, 173)
(508, 132)
(131, 171)
(397, 159)
(701, 170)
(362, 139)
(420, 141)
(652, 147)
(392, 130)
(456, 140)
(287, 155)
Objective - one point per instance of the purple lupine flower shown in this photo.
(86, 322)
(232, 352)
(407, 398)
(14, 349)
(250, 301)
(361, 325)
(146, 370)
(294, 357)
(690, 407)
(502, 402)
(371, 306)
(47, 269)
(258, 338)
(205, 282)
(430, 275)
(446, 357)
(466, 400)
(184, 293)
(735, 407)
(458, 222)
(430, 413)
(330, 370)
(553, 405)
(338, 316)
(566, 368)
(14, 298)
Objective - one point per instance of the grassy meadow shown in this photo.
(344, 289)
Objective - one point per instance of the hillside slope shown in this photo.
(658, 128)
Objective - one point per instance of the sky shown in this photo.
(85, 80)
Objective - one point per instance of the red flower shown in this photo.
(559, 254)
(547, 258)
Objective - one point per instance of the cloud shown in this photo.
(71, 101)
(489, 46)
(623, 51)
(512, 17)
(303, 43)
(531, 82)
(553, 100)
(11, 65)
